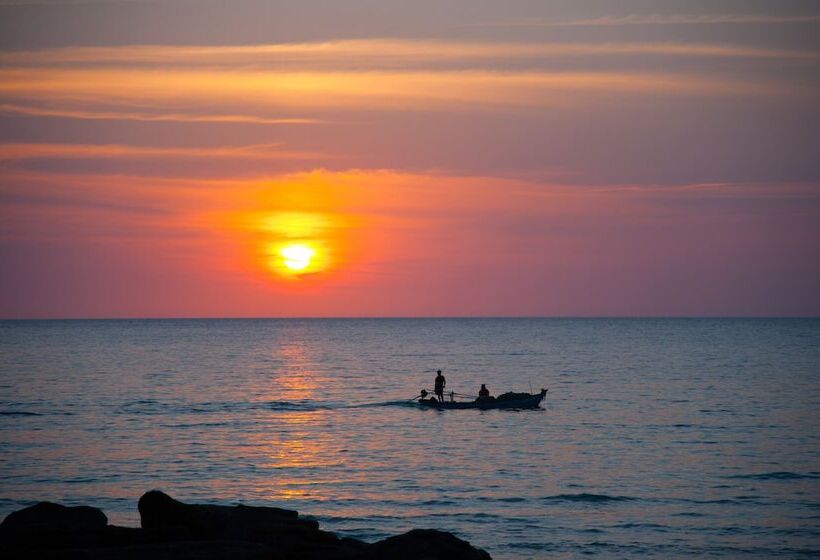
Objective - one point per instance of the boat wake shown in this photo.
(153, 407)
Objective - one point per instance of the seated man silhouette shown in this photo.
(484, 394)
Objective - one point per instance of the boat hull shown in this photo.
(530, 401)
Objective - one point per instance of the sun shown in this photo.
(297, 245)
(296, 257)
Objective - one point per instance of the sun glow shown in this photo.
(296, 257)
(294, 244)
(299, 228)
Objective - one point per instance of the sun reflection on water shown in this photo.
(295, 447)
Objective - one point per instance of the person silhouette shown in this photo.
(439, 386)
(483, 393)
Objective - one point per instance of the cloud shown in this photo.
(300, 83)
(659, 19)
(65, 2)
(370, 54)
(257, 92)
(20, 151)
(91, 114)
(68, 202)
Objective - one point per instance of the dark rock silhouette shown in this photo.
(424, 544)
(161, 510)
(56, 516)
(53, 525)
(279, 528)
(174, 530)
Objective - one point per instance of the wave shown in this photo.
(156, 407)
(664, 550)
(590, 498)
(204, 425)
(721, 501)
(778, 475)
(655, 526)
(531, 545)
(438, 503)
(19, 413)
(297, 405)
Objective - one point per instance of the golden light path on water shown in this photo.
(295, 446)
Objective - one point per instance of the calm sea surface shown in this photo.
(658, 438)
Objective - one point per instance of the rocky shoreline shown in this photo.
(171, 529)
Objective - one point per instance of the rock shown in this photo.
(158, 511)
(183, 550)
(175, 530)
(425, 544)
(130, 536)
(48, 525)
(58, 516)
(280, 529)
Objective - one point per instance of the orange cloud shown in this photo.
(314, 83)
(91, 114)
(372, 54)
(9, 152)
(659, 19)
(263, 91)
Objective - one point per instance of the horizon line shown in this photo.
(401, 317)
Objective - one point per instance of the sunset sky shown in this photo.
(202, 158)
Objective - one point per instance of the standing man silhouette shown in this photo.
(439, 388)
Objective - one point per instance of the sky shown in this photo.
(204, 158)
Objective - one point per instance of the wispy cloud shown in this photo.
(658, 19)
(166, 92)
(20, 151)
(400, 201)
(90, 114)
(64, 2)
(303, 83)
(372, 54)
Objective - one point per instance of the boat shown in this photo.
(507, 400)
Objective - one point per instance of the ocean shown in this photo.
(659, 438)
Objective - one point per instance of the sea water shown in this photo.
(658, 438)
